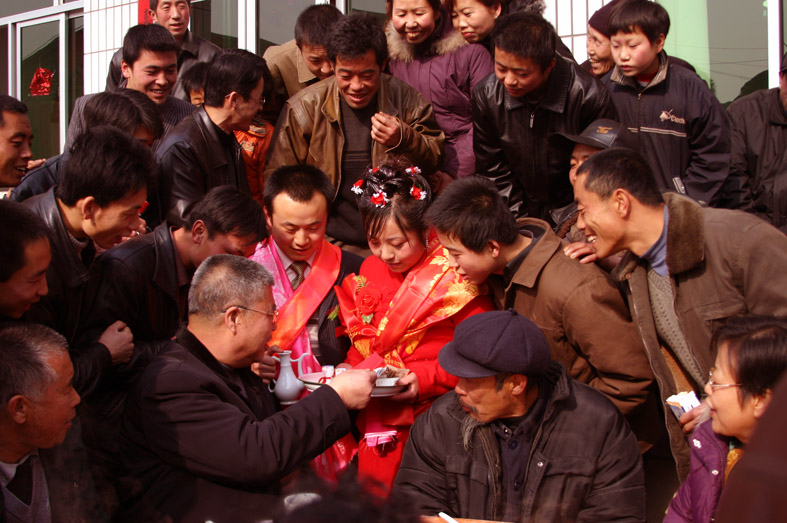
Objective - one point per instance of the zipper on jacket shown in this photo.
(532, 117)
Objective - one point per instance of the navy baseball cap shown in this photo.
(601, 134)
(494, 342)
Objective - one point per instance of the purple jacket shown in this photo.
(445, 74)
(698, 496)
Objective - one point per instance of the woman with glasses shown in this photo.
(751, 357)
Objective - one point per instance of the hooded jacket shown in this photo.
(444, 70)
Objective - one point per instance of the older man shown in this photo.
(40, 479)
(354, 119)
(174, 16)
(16, 141)
(518, 440)
(203, 439)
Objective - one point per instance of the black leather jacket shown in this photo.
(71, 284)
(40, 179)
(194, 158)
(511, 140)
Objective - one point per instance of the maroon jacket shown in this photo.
(445, 74)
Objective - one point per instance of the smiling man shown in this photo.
(174, 16)
(687, 270)
(354, 119)
(518, 440)
(202, 152)
(16, 141)
(306, 266)
(533, 93)
(150, 65)
(43, 474)
(97, 203)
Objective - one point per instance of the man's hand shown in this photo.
(410, 394)
(119, 339)
(266, 368)
(690, 419)
(584, 251)
(354, 387)
(386, 129)
(32, 164)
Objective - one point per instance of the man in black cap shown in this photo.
(518, 440)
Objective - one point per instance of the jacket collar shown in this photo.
(447, 40)
(190, 44)
(555, 91)
(213, 140)
(331, 107)
(75, 270)
(661, 75)
(194, 346)
(685, 238)
(538, 257)
(774, 108)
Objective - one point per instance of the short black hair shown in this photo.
(154, 4)
(21, 227)
(527, 36)
(394, 190)
(193, 78)
(472, 211)
(299, 182)
(314, 24)
(147, 37)
(233, 70)
(107, 164)
(620, 168)
(228, 210)
(353, 35)
(126, 109)
(11, 105)
(757, 348)
(651, 18)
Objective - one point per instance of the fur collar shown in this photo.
(448, 41)
(685, 238)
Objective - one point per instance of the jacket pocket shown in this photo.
(565, 485)
(467, 482)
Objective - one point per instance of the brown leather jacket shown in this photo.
(721, 263)
(584, 318)
(309, 129)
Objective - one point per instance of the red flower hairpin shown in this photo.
(417, 193)
(379, 199)
(357, 187)
(412, 171)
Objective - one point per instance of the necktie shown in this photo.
(22, 484)
(298, 267)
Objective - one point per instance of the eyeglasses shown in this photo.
(716, 386)
(273, 313)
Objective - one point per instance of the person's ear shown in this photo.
(518, 384)
(761, 403)
(232, 319)
(234, 97)
(87, 207)
(497, 10)
(494, 248)
(125, 69)
(18, 408)
(268, 217)
(658, 44)
(198, 232)
(621, 201)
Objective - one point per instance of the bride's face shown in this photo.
(399, 249)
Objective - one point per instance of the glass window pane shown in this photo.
(216, 21)
(276, 21)
(76, 53)
(15, 7)
(728, 47)
(375, 7)
(40, 62)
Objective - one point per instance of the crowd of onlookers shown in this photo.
(572, 275)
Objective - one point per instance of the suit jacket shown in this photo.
(194, 159)
(204, 442)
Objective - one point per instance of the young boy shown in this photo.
(681, 128)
